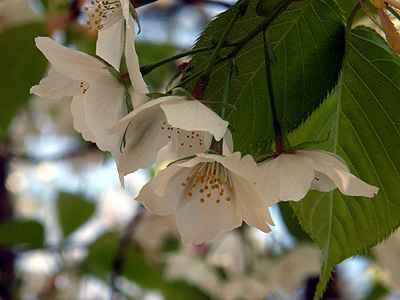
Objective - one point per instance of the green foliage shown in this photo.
(363, 116)
(21, 66)
(73, 212)
(308, 42)
(347, 6)
(135, 267)
(28, 233)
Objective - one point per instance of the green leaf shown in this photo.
(21, 66)
(21, 232)
(308, 42)
(73, 212)
(363, 116)
(347, 6)
(135, 267)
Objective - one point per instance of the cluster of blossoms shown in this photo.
(209, 188)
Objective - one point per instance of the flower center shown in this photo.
(103, 14)
(210, 181)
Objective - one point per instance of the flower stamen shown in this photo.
(211, 180)
(103, 14)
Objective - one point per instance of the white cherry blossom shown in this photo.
(187, 124)
(116, 33)
(289, 176)
(99, 99)
(209, 194)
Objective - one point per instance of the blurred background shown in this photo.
(68, 230)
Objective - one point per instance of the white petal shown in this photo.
(193, 115)
(57, 86)
(167, 154)
(227, 143)
(190, 143)
(296, 173)
(104, 106)
(80, 124)
(73, 64)
(166, 203)
(144, 138)
(153, 107)
(138, 99)
(250, 204)
(132, 60)
(289, 175)
(199, 222)
(125, 10)
(330, 157)
(322, 183)
(110, 42)
(244, 167)
(346, 182)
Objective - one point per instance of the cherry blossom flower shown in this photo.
(188, 124)
(209, 194)
(99, 99)
(289, 176)
(116, 33)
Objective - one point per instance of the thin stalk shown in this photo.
(268, 20)
(199, 89)
(221, 42)
(226, 87)
(281, 141)
(350, 21)
(148, 68)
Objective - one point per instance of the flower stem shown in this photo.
(350, 21)
(268, 20)
(201, 86)
(281, 141)
(148, 68)
(227, 86)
